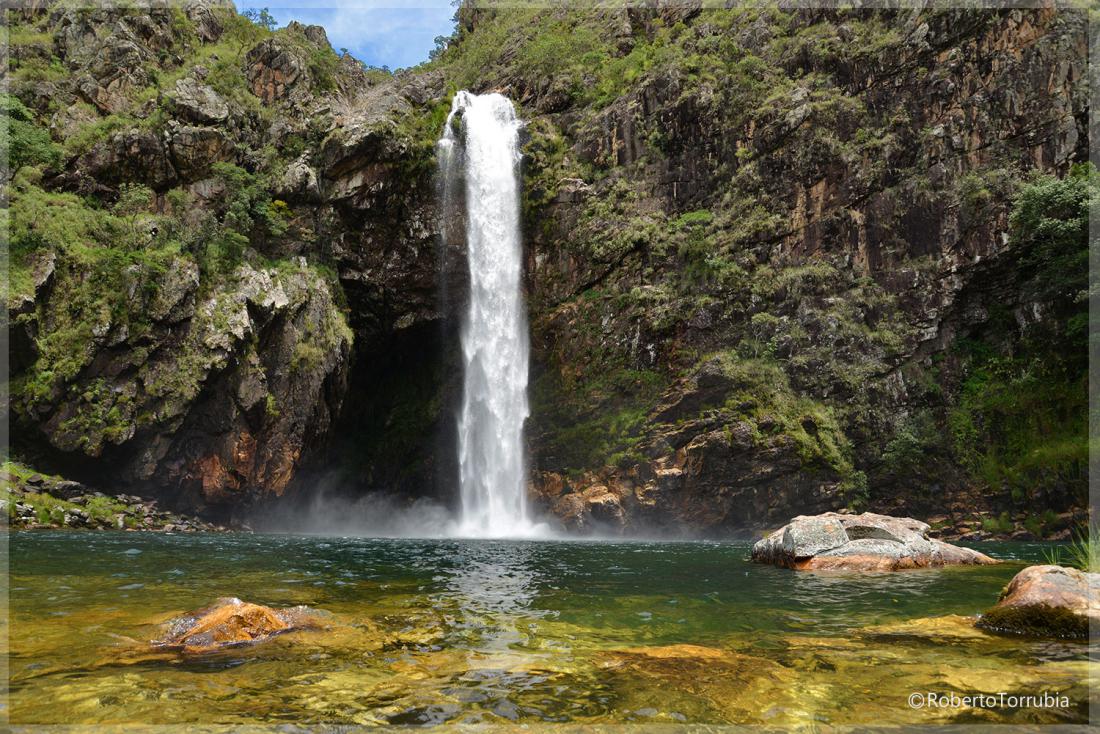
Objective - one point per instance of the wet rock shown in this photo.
(950, 629)
(664, 652)
(735, 682)
(865, 542)
(595, 509)
(231, 622)
(1047, 601)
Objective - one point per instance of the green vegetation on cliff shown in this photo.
(151, 261)
(1021, 420)
(793, 244)
(811, 195)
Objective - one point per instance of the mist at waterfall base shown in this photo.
(326, 510)
(478, 150)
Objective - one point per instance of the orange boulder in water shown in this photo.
(229, 622)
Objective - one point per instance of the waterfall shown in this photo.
(492, 466)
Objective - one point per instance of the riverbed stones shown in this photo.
(52, 502)
(231, 622)
(864, 542)
(1047, 601)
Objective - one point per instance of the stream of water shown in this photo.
(484, 152)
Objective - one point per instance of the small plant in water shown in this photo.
(1082, 552)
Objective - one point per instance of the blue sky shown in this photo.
(393, 33)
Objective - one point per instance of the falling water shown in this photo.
(492, 471)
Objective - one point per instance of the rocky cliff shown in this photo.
(211, 225)
(778, 261)
(775, 265)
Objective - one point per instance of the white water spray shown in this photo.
(492, 471)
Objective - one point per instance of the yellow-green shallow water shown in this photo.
(503, 632)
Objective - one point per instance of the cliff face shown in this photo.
(772, 264)
(206, 217)
(772, 261)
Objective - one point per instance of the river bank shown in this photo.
(35, 501)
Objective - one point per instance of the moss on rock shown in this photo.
(1036, 620)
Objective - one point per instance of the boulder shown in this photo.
(1047, 601)
(199, 103)
(597, 508)
(195, 149)
(299, 182)
(202, 15)
(866, 542)
(230, 622)
(67, 489)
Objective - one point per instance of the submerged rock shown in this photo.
(949, 629)
(1047, 601)
(684, 650)
(866, 542)
(231, 622)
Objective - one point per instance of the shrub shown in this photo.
(24, 142)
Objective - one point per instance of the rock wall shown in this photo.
(213, 378)
(758, 243)
(781, 278)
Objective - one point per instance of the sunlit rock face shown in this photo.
(231, 622)
(1047, 601)
(864, 542)
(836, 288)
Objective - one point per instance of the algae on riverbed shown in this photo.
(494, 631)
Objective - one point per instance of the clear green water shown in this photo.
(425, 632)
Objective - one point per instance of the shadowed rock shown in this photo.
(230, 622)
(1047, 601)
(866, 542)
